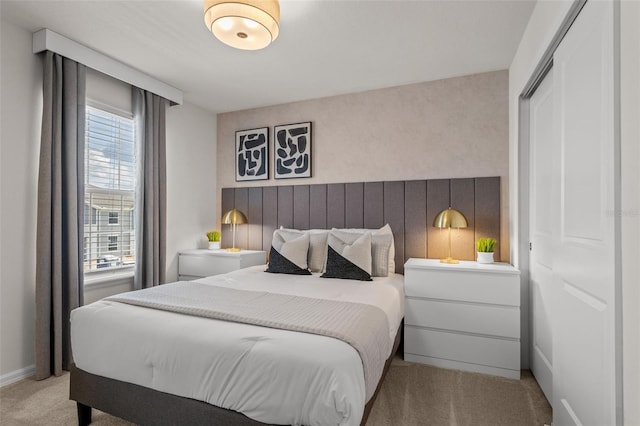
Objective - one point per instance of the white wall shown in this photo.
(191, 159)
(109, 91)
(545, 20)
(21, 104)
(191, 180)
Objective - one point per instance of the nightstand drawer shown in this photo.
(188, 277)
(485, 287)
(194, 264)
(203, 266)
(502, 321)
(466, 348)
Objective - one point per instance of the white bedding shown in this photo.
(270, 375)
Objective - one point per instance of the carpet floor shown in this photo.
(412, 394)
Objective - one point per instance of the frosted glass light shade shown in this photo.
(243, 24)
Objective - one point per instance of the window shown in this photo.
(113, 243)
(113, 218)
(90, 215)
(110, 171)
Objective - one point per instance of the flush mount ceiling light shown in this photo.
(243, 24)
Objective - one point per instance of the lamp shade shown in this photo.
(243, 24)
(234, 217)
(450, 218)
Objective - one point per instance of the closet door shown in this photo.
(584, 233)
(543, 149)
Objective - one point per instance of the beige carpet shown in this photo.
(416, 394)
(412, 394)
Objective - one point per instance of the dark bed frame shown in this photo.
(146, 406)
(409, 207)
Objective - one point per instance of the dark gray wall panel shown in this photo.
(409, 207)
(269, 215)
(373, 205)
(335, 205)
(354, 205)
(463, 240)
(415, 218)
(488, 210)
(318, 207)
(242, 204)
(254, 216)
(437, 200)
(394, 216)
(285, 206)
(301, 206)
(228, 201)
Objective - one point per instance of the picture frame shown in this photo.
(252, 154)
(292, 155)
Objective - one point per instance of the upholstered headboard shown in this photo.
(408, 206)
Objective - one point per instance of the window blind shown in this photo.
(110, 180)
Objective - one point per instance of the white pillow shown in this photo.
(383, 251)
(348, 256)
(317, 254)
(317, 249)
(292, 245)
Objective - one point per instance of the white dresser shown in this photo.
(464, 316)
(194, 264)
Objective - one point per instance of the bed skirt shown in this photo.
(147, 406)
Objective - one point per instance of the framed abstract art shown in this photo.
(292, 150)
(252, 154)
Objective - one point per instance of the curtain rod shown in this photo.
(46, 39)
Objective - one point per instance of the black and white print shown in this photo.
(292, 150)
(252, 158)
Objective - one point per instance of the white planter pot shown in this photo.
(214, 245)
(485, 257)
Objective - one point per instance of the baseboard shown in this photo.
(464, 366)
(17, 375)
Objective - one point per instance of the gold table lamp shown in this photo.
(450, 218)
(234, 218)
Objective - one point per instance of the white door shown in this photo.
(543, 147)
(584, 232)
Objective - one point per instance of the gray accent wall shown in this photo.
(409, 207)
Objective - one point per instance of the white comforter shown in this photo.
(270, 375)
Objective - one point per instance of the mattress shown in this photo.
(270, 375)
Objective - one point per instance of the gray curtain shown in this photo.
(151, 218)
(60, 226)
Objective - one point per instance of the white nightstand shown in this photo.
(464, 316)
(194, 264)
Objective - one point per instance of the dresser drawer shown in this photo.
(459, 347)
(485, 287)
(502, 321)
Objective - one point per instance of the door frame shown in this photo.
(539, 73)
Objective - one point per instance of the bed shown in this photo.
(153, 366)
(408, 207)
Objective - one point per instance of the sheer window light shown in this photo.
(110, 173)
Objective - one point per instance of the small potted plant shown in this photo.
(485, 248)
(214, 240)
